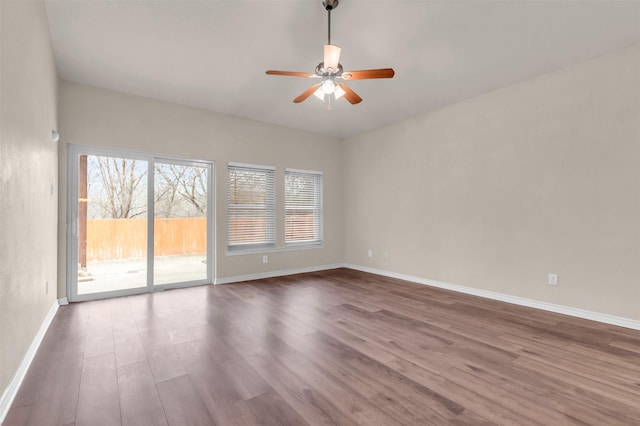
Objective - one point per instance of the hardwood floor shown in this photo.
(334, 347)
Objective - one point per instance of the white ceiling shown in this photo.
(213, 54)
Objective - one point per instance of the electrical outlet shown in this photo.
(370, 253)
(265, 259)
(386, 255)
(553, 279)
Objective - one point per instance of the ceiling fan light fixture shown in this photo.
(328, 87)
(338, 93)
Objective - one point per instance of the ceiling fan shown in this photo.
(330, 72)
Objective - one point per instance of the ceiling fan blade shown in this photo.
(291, 73)
(350, 95)
(331, 56)
(306, 93)
(367, 74)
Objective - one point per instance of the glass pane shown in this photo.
(180, 223)
(112, 224)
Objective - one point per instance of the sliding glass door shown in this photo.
(113, 247)
(111, 223)
(180, 222)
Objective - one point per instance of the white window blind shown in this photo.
(303, 207)
(251, 209)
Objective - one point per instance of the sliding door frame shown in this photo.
(73, 154)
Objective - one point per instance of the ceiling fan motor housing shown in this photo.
(330, 4)
(322, 72)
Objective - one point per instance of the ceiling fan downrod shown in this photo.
(329, 5)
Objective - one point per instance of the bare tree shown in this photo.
(166, 198)
(181, 191)
(117, 187)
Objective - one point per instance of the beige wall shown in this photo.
(28, 169)
(97, 117)
(498, 191)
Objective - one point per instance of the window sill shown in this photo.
(275, 249)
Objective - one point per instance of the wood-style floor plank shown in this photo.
(332, 347)
(272, 410)
(217, 391)
(182, 403)
(98, 398)
(128, 348)
(139, 399)
(246, 380)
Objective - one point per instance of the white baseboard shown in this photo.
(566, 310)
(11, 391)
(261, 275)
(63, 301)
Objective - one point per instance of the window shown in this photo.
(303, 207)
(250, 207)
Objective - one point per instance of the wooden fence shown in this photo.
(113, 239)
